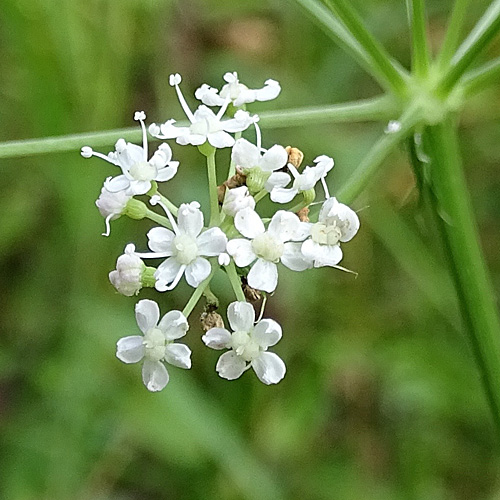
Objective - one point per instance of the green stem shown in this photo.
(349, 42)
(168, 204)
(160, 219)
(453, 32)
(476, 294)
(379, 151)
(379, 59)
(212, 187)
(420, 59)
(188, 309)
(235, 281)
(260, 195)
(481, 78)
(482, 34)
(377, 108)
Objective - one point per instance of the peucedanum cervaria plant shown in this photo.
(247, 246)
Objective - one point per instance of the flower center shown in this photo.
(268, 248)
(154, 343)
(244, 346)
(143, 171)
(185, 249)
(326, 235)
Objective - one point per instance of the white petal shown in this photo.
(248, 223)
(174, 325)
(189, 138)
(197, 271)
(303, 231)
(178, 355)
(166, 273)
(324, 162)
(159, 159)
(241, 251)
(284, 225)
(276, 180)
(240, 122)
(245, 154)
(139, 187)
(217, 338)
(294, 259)
(267, 333)
(241, 316)
(270, 91)
(245, 96)
(118, 183)
(230, 366)
(147, 314)
(190, 219)
(169, 131)
(220, 139)
(263, 276)
(130, 349)
(160, 240)
(283, 195)
(166, 173)
(274, 158)
(154, 375)
(212, 242)
(323, 255)
(208, 95)
(269, 367)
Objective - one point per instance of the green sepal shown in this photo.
(309, 196)
(206, 149)
(148, 279)
(256, 179)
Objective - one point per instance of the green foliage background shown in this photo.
(381, 399)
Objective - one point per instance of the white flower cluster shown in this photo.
(236, 240)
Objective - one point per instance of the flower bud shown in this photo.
(127, 277)
(237, 199)
(136, 209)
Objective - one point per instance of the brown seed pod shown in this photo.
(295, 156)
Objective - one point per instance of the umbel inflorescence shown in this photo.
(249, 248)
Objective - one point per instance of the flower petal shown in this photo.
(263, 276)
(245, 154)
(160, 240)
(248, 223)
(217, 338)
(197, 271)
(139, 187)
(267, 333)
(178, 355)
(294, 259)
(241, 316)
(147, 314)
(130, 349)
(212, 242)
(277, 179)
(166, 173)
(241, 251)
(274, 158)
(269, 367)
(190, 219)
(118, 183)
(323, 255)
(270, 91)
(283, 195)
(174, 325)
(166, 273)
(284, 225)
(230, 366)
(220, 139)
(154, 375)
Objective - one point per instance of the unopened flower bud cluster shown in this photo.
(236, 240)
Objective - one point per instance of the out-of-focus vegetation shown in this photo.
(381, 399)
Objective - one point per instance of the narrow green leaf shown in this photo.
(420, 48)
(481, 78)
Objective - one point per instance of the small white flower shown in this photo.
(248, 345)
(127, 277)
(205, 124)
(157, 345)
(137, 170)
(336, 223)
(302, 182)
(249, 157)
(111, 205)
(237, 92)
(269, 247)
(185, 248)
(237, 199)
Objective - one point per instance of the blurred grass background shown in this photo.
(381, 399)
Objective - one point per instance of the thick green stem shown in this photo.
(476, 294)
(482, 34)
(481, 78)
(420, 52)
(377, 108)
(235, 282)
(160, 219)
(395, 79)
(370, 163)
(188, 309)
(212, 187)
(168, 204)
(453, 32)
